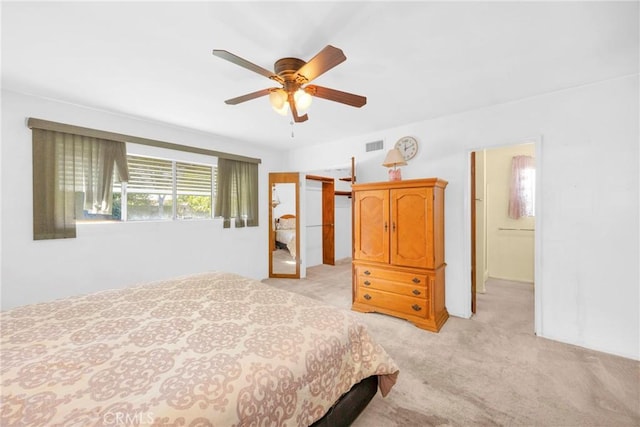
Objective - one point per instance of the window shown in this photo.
(194, 187)
(160, 189)
(73, 179)
(523, 187)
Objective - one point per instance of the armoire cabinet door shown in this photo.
(412, 227)
(371, 230)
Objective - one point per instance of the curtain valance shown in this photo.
(34, 123)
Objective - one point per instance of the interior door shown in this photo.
(328, 222)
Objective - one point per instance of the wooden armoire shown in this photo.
(398, 250)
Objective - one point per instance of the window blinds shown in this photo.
(156, 176)
(149, 175)
(193, 179)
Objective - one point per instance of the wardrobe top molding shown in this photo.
(407, 183)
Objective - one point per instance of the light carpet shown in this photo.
(490, 370)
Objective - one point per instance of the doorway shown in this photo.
(503, 244)
(328, 215)
(320, 220)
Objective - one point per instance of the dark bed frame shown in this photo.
(350, 405)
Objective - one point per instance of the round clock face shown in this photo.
(408, 147)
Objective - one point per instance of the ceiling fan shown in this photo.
(294, 75)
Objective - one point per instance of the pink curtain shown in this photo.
(523, 185)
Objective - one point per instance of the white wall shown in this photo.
(587, 279)
(113, 255)
(510, 246)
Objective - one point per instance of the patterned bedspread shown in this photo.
(213, 349)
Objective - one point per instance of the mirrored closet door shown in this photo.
(284, 230)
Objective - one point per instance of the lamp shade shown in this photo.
(278, 100)
(394, 158)
(302, 99)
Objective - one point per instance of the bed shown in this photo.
(286, 233)
(211, 349)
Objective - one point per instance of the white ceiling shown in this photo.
(413, 60)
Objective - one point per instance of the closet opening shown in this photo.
(320, 219)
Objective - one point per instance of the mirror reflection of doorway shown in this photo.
(284, 233)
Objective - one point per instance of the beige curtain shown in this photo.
(72, 173)
(237, 195)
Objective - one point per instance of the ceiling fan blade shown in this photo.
(336, 95)
(246, 64)
(248, 97)
(325, 60)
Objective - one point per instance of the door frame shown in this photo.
(538, 323)
(472, 202)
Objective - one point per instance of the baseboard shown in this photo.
(511, 279)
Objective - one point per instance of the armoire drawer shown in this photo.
(420, 290)
(399, 303)
(407, 278)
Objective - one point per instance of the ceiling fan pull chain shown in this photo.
(291, 123)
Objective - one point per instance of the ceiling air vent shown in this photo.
(374, 146)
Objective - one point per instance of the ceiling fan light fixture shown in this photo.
(278, 101)
(282, 111)
(302, 100)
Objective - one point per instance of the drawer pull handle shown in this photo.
(367, 297)
(416, 280)
(416, 307)
(367, 272)
(416, 292)
(367, 283)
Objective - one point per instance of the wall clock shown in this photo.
(408, 147)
